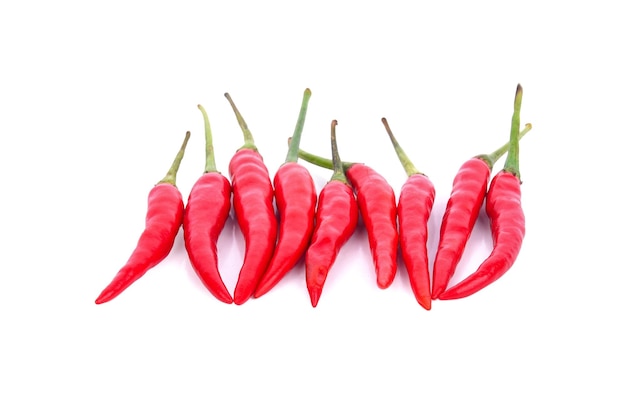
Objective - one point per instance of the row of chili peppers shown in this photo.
(317, 228)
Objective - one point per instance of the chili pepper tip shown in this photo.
(107, 295)
(315, 294)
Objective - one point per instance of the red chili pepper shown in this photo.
(163, 220)
(253, 199)
(295, 200)
(414, 207)
(469, 189)
(504, 208)
(336, 219)
(206, 212)
(377, 205)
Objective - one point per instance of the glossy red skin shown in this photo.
(336, 219)
(414, 207)
(253, 200)
(207, 209)
(468, 193)
(295, 200)
(377, 204)
(163, 220)
(504, 208)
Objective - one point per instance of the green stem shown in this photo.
(209, 165)
(338, 173)
(292, 154)
(408, 166)
(320, 161)
(170, 177)
(247, 135)
(492, 158)
(511, 164)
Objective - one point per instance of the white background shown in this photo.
(95, 101)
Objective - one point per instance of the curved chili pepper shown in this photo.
(253, 199)
(414, 207)
(377, 205)
(469, 189)
(336, 219)
(163, 220)
(295, 200)
(206, 212)
(504, 208)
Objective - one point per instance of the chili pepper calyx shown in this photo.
(338, 173)
(492, 158)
